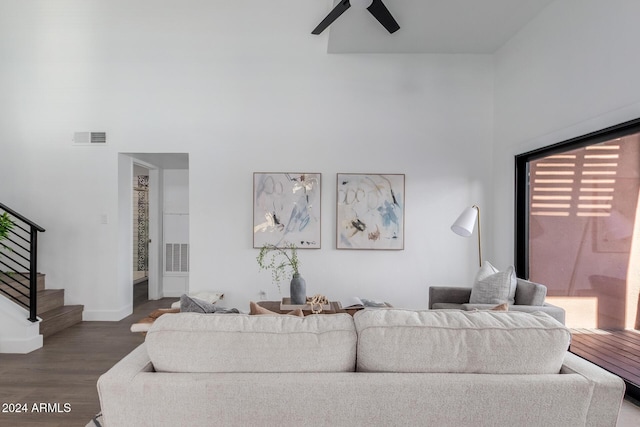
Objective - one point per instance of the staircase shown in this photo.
(51, 309)
(20, 282)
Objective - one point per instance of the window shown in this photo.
(578, 233)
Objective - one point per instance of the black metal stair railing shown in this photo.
(19, 262)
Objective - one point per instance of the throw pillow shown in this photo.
(210, 297)
(496, 288)
(256, 309)
(486, 270)
(501, 307)
(195, 305)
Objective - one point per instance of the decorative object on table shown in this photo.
(283, 263)
(359, 303)
(317, 302)
(287, 304)
(370, 211)
(255, 309)
(286, 207)
(298, 289)
(465, 224)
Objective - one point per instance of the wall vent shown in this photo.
(90, 138)
(176, 258)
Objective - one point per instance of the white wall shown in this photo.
(241, 87)
(571, 71)
(175, 227)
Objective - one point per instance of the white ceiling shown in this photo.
(433, 26)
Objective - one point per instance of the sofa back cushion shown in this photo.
(530, 293)
(453, 341)
(194, 342)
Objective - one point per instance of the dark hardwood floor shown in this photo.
(65, 371)
(140, 292)
(617, 351)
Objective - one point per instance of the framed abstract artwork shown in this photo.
(286, 209)
(370, 211)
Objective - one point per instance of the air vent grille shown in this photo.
(176, 258)
(90, 138)
(98, 137)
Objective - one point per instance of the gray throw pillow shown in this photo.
(195, 305)
(493, 286)
(485, 271)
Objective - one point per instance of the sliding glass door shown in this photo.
(581, 233)
(578, 233)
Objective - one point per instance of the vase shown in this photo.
(298, 289)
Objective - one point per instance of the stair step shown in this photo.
(60, 318)
(48, 299)
(22, 283)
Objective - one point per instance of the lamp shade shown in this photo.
(466, 222)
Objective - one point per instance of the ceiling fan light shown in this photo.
(361, 4)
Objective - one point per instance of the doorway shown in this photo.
(140, 234)
(152, 188)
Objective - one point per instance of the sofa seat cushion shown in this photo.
(195, 342)
(454, 341)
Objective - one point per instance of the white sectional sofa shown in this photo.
(383, 367)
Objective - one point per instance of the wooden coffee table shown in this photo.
(275, 307)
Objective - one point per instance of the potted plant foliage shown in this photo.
(284, 263)
(6, 225)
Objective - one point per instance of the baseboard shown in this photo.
(106, 315)
(21, 346)
(172, 294)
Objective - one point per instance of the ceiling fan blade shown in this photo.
(332, 16)
(382, 14)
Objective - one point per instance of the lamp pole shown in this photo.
(479, 245)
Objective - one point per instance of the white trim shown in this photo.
(20, 345)
(107, 315)
(17, 333)
(173, 294)
(155, 229)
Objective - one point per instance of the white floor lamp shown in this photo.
(465, 224)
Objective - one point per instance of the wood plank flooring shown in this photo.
(66, 369)
(617, 351)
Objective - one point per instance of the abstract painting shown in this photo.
(370, 211)
(286, 209)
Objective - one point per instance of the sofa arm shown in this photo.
(116, 384)
(608, 390)
(448, 294)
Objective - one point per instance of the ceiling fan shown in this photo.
(375, 7)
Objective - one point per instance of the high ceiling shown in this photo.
(433, 26)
